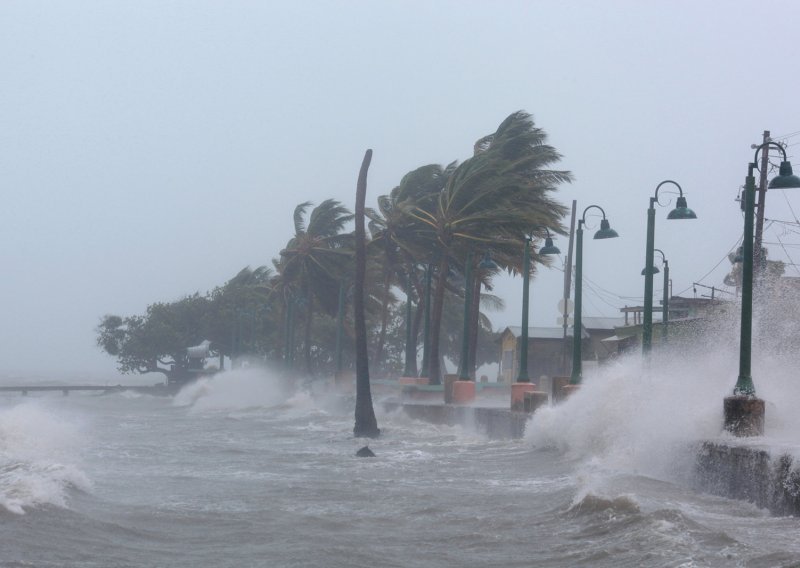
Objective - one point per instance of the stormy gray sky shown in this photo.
(151, 149)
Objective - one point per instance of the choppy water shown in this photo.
(234, 472)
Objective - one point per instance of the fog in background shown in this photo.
(152, 149)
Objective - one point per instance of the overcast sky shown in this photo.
(152, 149)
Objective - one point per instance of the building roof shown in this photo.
(542, 332)
(592, 322)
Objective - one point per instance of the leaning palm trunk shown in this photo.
(307, 335)
(366, 425)
(412, 347)
(377, 357)
(474, 317)
(435, 370)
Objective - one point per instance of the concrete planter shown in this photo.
(463, 392)
(518, 391)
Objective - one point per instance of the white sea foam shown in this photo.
(39, 454)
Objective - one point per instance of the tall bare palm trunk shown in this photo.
(366, 424)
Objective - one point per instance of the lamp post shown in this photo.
(681, 211)
(605, 232)
(665, 301)
(548, 249)
(744, 413)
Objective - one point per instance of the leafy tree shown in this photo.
(393, 231)
(157, 341)
(242, 318)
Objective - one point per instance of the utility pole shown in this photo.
(758, 260)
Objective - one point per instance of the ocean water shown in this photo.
(237, 471)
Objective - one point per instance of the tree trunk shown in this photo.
(366, 424)
(417, 321)
(377, 357)
(435, 371)
(474, 316)
(307, 334)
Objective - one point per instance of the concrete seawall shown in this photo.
(495, 423)
(768, 478)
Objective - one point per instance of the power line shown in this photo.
(736, 244)
(790, 135)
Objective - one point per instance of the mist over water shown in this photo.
(243, 469)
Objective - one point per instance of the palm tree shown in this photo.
(491, 201)
(366, 424)
(246, 295)
(393, 233)
(313, 262)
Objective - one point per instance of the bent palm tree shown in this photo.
(365, 423)
(490, 201)
(311, 264)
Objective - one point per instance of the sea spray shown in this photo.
(39, 458)
(636, 418)
(234, 390)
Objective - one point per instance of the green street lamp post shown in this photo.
(665, 300)
(744, 413)
(605, 232)
(548, 249)
(681, 211)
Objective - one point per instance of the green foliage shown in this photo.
(434, 217)
(157, 340)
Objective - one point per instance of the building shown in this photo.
(550, 353)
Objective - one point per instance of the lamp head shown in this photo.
(785, 178)
(681, 210)
(487, 263)
(605, 232)
(549, 248)
(653, 270)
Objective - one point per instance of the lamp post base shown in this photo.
(448, 387)
(744, 415)
(556, 386)
(568, 390)
(518, 391)
(533, 400)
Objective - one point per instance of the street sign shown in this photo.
(570, 306)
(560, 320)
